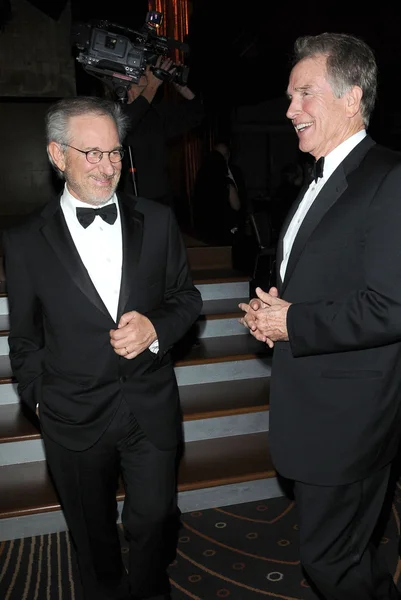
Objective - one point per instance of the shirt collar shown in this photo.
(336, 156)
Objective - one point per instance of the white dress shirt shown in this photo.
(100, 247)
(331, 162)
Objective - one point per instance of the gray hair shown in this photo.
(60, 113)
(350, 61)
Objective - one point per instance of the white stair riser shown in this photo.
(4, 348)
(227, 495)
(220, 328)
(219, 427)
(222, 291)
(8, 394)
(3, 306)
(236, 369)
(194, 500)
(16, 453)
(13, 453)
(5, 321)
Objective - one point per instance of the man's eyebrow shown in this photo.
(301, 88)
(100, 150)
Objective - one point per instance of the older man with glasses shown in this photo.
(99, 291)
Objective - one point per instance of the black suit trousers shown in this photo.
(87, 482)
(336, 524)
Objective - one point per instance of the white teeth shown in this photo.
(301, 126)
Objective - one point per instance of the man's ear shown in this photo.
(57, 155)
(353, 101)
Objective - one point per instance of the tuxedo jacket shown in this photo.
(59, 338)
(336, 385)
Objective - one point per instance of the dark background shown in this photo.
(240, 54)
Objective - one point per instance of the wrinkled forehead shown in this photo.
(93, 130)
(308, 73)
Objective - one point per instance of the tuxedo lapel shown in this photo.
(56, 232)
(132, 234)
(330, 193)
(332, 190)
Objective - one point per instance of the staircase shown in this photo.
(224, 388)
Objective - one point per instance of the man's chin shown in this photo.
(98, 199)
(92, 194)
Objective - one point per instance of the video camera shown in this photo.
(119, 55)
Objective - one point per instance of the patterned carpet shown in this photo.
(241, 552)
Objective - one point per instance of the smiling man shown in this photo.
(92, 181)
(99, 291)
(335, 322)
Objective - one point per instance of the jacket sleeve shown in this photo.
(136, 110)
(182, 301)
(26, 339)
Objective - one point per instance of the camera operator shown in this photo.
(152, 124)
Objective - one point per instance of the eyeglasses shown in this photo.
(95, 156)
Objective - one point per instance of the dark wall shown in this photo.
(26, 178)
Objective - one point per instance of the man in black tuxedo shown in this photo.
(335, 321)
(99, 291)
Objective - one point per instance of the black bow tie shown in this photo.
(317, 169)
(86, 216)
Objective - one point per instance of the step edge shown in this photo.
(227, 413)
(252, 476)
(194, 500)
(219, 359)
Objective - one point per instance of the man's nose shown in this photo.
(106, 165)
(292, 110)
